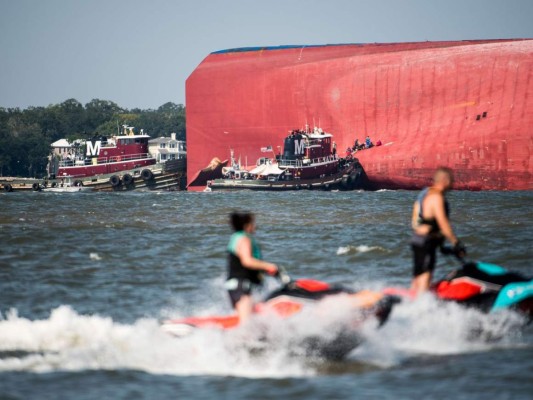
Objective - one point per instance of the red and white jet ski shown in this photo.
(295, 296)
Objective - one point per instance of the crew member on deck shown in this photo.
(244, 264)
(431, 226)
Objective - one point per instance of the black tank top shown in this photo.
(432, 222)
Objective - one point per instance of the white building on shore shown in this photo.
(61, 148)
(167, 148)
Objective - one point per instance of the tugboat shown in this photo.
(107, 156)
(308, 162)
(118, 163)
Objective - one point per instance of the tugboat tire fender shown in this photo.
(127, 179)
(115, 180)
(345, 182)
(35, 186)
(354, 179)
(8, 188)
(147, 174)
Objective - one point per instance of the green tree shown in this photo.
(99, 112)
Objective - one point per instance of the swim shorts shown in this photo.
(238, 288)
(424, 253)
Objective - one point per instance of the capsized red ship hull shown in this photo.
(467, 105)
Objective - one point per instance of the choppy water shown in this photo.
(86, 278)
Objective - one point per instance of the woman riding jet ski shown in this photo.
(245, 273)
(321, 300)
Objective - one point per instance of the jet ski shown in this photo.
(487, 287)
(293, 298)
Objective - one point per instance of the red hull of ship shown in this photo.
(467, 105)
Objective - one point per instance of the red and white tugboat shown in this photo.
(308, 161)
(104, 156)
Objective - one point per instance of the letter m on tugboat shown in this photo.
(299, 146)
(93, 148)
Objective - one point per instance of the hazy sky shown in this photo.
(139, 53)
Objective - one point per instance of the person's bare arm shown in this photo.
(418, 228)
(414, 217)
(244, 252)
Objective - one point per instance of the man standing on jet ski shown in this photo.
(431, 226)
(244, 264)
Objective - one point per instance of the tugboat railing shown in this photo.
(107, 160)
(306, 162)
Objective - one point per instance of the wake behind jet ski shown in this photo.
(487, 287)
(293, 298)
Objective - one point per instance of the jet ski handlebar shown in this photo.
(283, 276)
(459, 251)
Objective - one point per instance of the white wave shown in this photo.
(358, 249)
(267, 347)
(69, 341)
(429, 327)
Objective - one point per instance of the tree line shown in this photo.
(26, 135)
